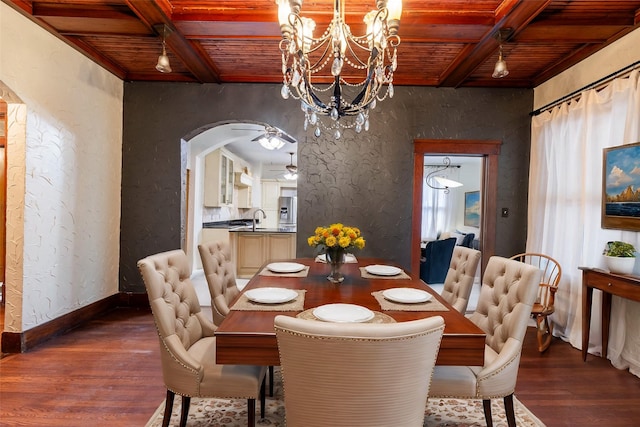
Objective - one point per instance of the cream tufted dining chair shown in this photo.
(219, 271)
(460, 277)
(187, 342)
(508, 291)
(356, 374)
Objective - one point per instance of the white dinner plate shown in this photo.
(271, 295)
(383, 270)
(342, 313)
(406, 295)
(285, 267)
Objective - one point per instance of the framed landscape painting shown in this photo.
(621, 187)
(472, 209)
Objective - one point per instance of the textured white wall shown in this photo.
(612, 58)
(72, 172)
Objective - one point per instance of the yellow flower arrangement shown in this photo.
(337, 236)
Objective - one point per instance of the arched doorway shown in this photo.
(489, 150)
(238, 137)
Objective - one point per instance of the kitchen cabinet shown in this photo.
(281, 246)
(271, 192)
(270, 195)
(215, 235)
(253, 249)
(244, 198)
(243, 183)
(218, 178)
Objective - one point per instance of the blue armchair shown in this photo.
(467, 240)
(435, 260)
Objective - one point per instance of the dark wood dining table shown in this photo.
(248, 337)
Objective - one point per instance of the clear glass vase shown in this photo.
(335, 258)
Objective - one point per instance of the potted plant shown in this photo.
(620, 257)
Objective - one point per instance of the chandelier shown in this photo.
(322, 71)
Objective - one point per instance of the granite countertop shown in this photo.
(244, 225)
(233, 223)
(249, 229)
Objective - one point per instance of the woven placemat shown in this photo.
(366, 275)
(245, 304)
(302, 273)
(377, 317)
(386, 305)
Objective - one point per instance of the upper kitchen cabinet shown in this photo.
(219, 178)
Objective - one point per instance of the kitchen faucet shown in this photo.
(264, 216)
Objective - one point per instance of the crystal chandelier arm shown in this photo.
(356, 101)
(337, 94)
(317, 101)
(369, 84)
(372, 54)
(324, 57)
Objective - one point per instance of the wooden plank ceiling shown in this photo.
(448, 43)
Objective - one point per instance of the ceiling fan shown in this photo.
(291, 167)
(271, 137)
(292, 170)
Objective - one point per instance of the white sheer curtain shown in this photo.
(564, 207)
(438, 207)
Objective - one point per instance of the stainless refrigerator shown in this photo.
(287, 211)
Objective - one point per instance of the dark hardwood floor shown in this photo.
(107, 373)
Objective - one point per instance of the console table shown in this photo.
(624, 286)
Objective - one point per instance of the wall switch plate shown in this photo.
(505, 212)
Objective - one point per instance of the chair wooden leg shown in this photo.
(508, 409)
(271, 380)
(545, 332)
(486, 405)
(251, 407)
(168, 407)
(263, 400)
(186, 402)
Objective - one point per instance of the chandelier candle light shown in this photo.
(328, 58)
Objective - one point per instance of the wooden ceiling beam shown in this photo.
(512, 14)
(444, 42)
(577, 56)
(113, 12)
(27, 9)
(544, 33)
(154, 12)
(97, 57)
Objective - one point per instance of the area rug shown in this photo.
(439, 412)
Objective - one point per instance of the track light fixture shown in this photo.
(163, 60)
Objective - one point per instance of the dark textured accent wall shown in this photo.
(363, 180)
